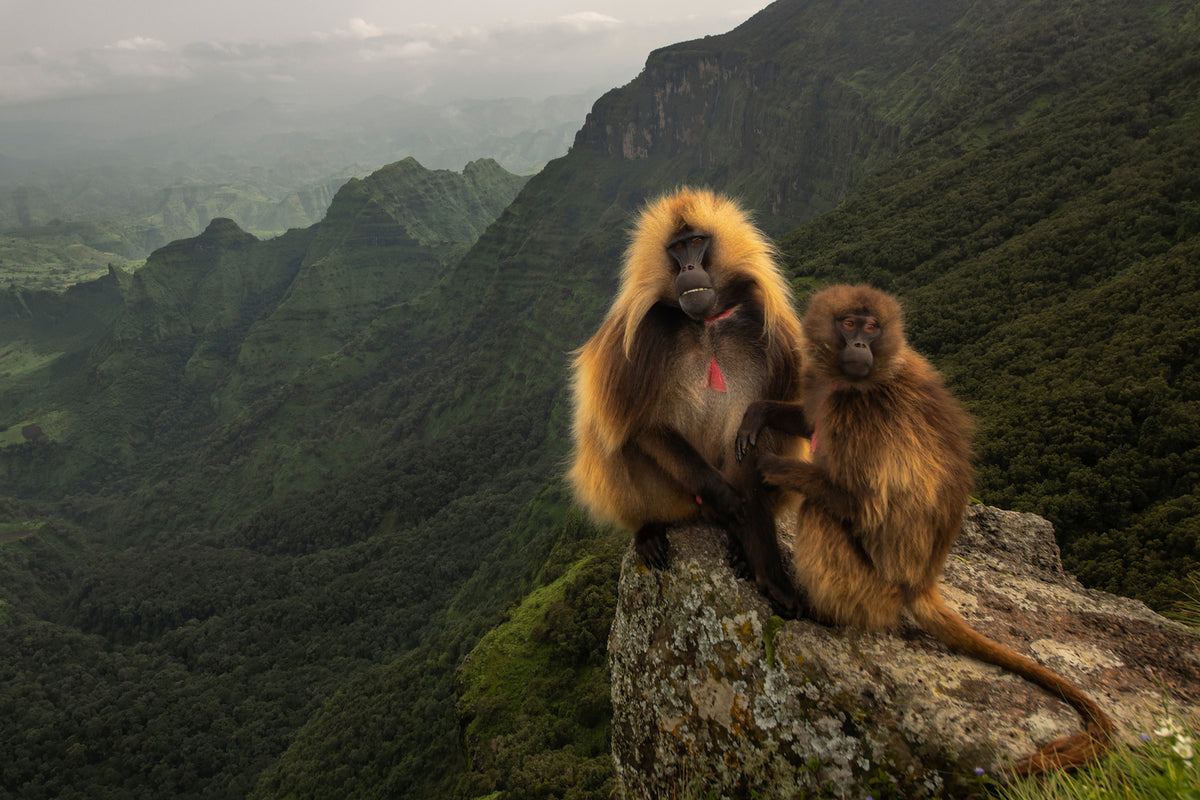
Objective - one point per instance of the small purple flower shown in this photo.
(1145, 737)
(979, 771)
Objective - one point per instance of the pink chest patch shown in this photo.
(716, 380)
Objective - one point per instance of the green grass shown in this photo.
(1187, 610)
(1163, 767)
(17, 358)
(509, 657)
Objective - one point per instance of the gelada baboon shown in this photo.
(702, 326)
(885, 491)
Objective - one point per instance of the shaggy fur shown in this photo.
(658, 395)
(884, 496)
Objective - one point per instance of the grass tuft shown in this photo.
(1162, 766)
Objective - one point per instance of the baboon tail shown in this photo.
(939, 620)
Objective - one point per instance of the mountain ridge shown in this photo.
(231, 315)
(319, 534)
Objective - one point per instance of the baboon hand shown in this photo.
(747, 435)
(652, 546)
(723, 499)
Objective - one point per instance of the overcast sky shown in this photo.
(318, 50)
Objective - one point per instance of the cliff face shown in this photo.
(709, 689)
(777, 129)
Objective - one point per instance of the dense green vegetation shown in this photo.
(283, 518)
(153, 681)
(254, 534)
(1052, 274)
(533, 697)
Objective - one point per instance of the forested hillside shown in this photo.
(1054, 274)
(139, 471)
(265, 507)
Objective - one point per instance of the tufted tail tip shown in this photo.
(1069, 752)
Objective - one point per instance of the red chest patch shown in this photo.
(715, 379)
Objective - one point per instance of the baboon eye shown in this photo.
(870, 326)
(848, 323)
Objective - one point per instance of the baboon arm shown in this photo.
(667, 448)
(781, 415)
(813, 482)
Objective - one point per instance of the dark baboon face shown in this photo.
(855, 331)
(858, 333)
(693, 282)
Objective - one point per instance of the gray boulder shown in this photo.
(712, 693)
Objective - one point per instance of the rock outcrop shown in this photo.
(711, 691)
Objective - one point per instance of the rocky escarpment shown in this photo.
(768, 111)
(710, 690)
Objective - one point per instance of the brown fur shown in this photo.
(654, 442)
(884, 497)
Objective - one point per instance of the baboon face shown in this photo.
(856, 332)
(693, 282)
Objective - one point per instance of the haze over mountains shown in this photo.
(269, 508)
(150, 175)
(242, 105)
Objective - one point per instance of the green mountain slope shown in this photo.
(569, 212)
(128, 217)
(212, 324)
(140, 446)
(44, 337)
(1051, 274)
(284, 488)
(269, 167)
(179, 211)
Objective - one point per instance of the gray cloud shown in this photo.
(359, 56)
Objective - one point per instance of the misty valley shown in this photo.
(282, 445)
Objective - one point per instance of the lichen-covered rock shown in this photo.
(710, 691)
